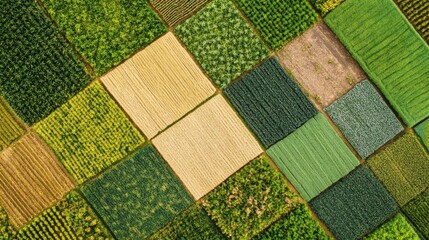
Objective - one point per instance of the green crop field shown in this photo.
(418, 211)
(423, 131)
(10, 130)
(279, 21)
(313, 157)
(89, 133)
(271, 102)
(175, 11)
(396, 228)
(417, 12)
(137, 196)
(38, 70)
(389, 50)
(221, 41)
(325, 6)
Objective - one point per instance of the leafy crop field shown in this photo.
(418, 211)
(106, 33)
(222, 42)
(313, 157)
(175, 11)
(89, 133)
(270, 102)
(423, 131)
(396, 58)
(39, 71)
(354, 206)
(158, 85)
(207, 146)
(31, 179)
(364, 118)
(417, 12)
(137, 196)
(279, 21)
(396, 228)
(10, 129)
(325, 6)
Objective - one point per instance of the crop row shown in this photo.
(417, 12)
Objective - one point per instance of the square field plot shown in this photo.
(390, 51)
(250, 200)
(321, 64)
(89, 133)
(355, 206)
(313, 157)
(31, 179)
(423, 131)
(106, 32)
(10, 129)
(158, 85)
(207, 146)
(364, 119)
(279, 21)
(221, 41)
(175, 11)
(137, 196)
(270, 102)
(39, 71)
(396, 228)
(418, 211)
(403, 167)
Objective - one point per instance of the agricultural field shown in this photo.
(31, 179)
(137, 196)
(313, 157)
(39, 71)
(417, 12)
(325, 6)
(207, 146)
(364, 118)
(158, 85)
(396, 228)
(89, 133)
(321, 64)
(271, 102)
(176, 11)
(10, 129)
(278, 21)
(418, 211)
(106, 33)
(355, 205)
(250, 200)
(423, 131)
(396, 59)
(221, 41)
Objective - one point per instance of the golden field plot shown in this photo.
(158, 85)
(31, 179)
(207, 146)
(10, 130)
(321, 64)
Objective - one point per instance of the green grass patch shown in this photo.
(298, 224)
(355, 206)
(221, 41)
(423, 131)
(279, 21)
(313, 157)
(250, 200)
(137, 196)
(417, 12)
(403, 167)
(194, 223)
(325, 6)
(10, 130)
(89, 133)
(106, 32)
(390, 51)
(418, 211)
(270, 102)
(364, 119)
(397, 228)
(38, 70)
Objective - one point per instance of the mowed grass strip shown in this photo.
(106, 33)
(396, 228)
(279, 21)
(321, 64)
(313, 157)
(39, 71)
(355, 205)
(158, 85)
(221, 41)
(250, 200)
(403, 167)
(364, 118)
(137, 196)
(389, 50)
(418, 211)
(89, 133)
(417, 12)
(270, 102)
(175, 11)
(423, 131)
(10, 130)
(207, 146)
(31, 179)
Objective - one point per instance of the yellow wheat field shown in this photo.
(158, 85)
(207, 146)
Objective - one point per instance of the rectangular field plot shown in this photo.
(389, 50)
(396, 228)
(418, 211)
(10, 130)
(175, 11)
(417, 12)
